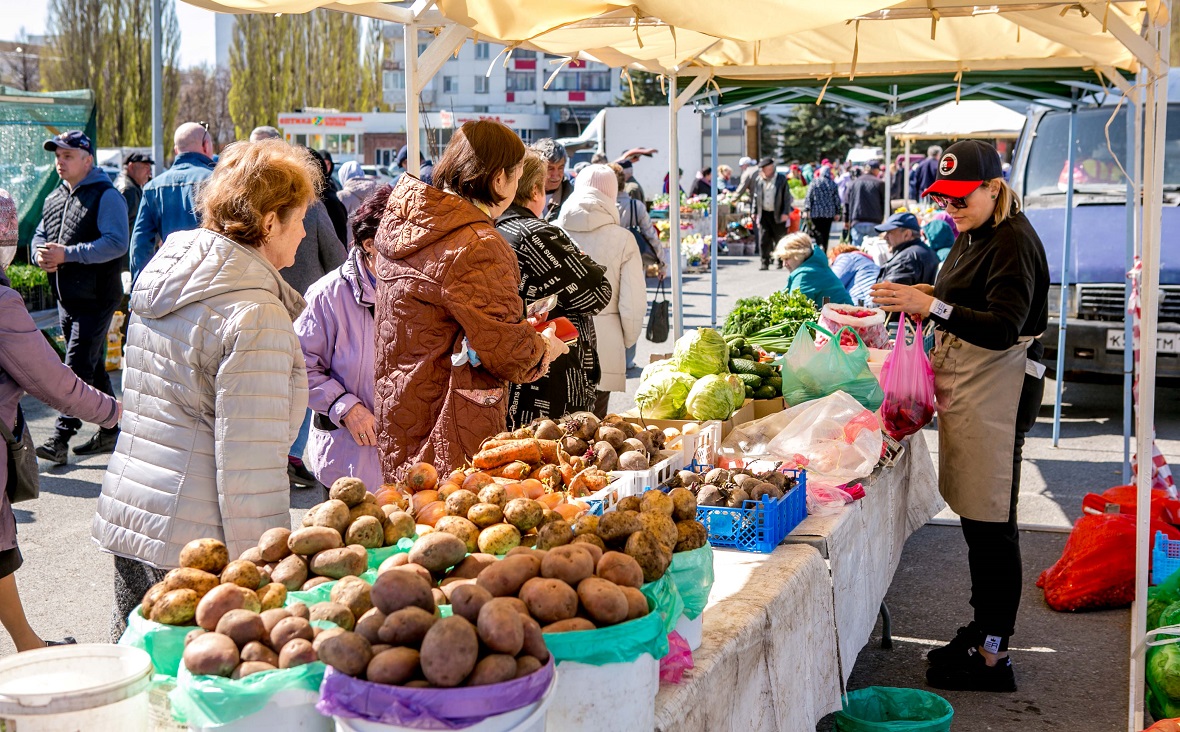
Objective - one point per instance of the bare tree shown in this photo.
(204, 97)
(22, 64)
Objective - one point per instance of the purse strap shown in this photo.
(660, 294)
(7, 434)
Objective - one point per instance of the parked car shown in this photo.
(380, 172)
(1096, 301)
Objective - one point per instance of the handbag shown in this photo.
(657, 322)
(24, 482)
(646, 252)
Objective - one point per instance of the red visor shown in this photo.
(953, 188)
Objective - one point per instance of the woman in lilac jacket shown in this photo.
(337, 334)
(29, 365)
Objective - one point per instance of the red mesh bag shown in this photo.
(1097, 566)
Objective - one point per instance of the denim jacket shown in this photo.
(167, 206)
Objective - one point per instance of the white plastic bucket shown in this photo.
(289, 709)
(529, 718)
(89, 686)
(617, 697)
(691, 630)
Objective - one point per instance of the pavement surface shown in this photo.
(1075, 676)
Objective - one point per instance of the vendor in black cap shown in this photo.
(989, 303)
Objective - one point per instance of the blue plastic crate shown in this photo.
(1165, 558)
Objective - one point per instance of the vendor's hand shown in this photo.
(362, 425)
(51, 256)
(925, 289)
(537, 319)
(894, 298)
(557, 347)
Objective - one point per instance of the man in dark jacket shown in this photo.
(169, 199)
(866, 203)
(926, 172)
(558, 187)
(137, 171)
(772, 209)
(79, 242)
(910, 261)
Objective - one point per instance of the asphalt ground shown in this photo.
(1074, 678)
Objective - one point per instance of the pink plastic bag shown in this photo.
(677, 661)
(908, 382)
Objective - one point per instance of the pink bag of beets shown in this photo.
(908, 382)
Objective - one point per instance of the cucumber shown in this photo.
(744, 366)
(752, 381)
(739, 342)
(766, 392)
(749, 392)
(735, 352)
(775, 382)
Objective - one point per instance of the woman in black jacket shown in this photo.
(552, 264)
(989, 303)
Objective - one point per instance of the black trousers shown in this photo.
(823, 232)
(770, 230)
(132, 581)
(85, 329)
(993, 548)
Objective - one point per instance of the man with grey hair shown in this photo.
(557, 186)
(168, 200)
(265, 132)
(925, 172)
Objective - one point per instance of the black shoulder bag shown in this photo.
(657, 322)
(647, 254)
(24, 482)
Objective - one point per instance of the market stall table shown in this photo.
(782, 630)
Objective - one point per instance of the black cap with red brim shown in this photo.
(964, 167)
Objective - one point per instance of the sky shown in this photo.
(196, 27)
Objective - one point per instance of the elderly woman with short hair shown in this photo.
(214, 384)
(810, 272)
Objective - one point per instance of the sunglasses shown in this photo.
(944, 201)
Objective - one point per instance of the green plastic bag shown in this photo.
(666, 600)
(622, 643)
(888, 709)
(692, 573)
(210, 701)
(810, 373)
(164, 643)
(377, 556)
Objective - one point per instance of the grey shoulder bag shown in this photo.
(24, 481)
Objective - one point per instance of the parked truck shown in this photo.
(1096, 301)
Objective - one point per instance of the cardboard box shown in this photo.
(767, 407)
(741, 416)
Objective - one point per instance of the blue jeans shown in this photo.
(301, 441)
(631, 355)
(860, 231)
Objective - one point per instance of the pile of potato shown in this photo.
(333, 541)
(207, 581)
(236, 642)
(731, 488)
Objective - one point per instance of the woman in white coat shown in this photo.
(215, 385)
(591, 217)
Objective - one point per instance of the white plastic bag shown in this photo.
(834, 438)
(868, 322)
(824, 499)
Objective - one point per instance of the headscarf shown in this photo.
(351, 169)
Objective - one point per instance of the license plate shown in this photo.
(1164, 342)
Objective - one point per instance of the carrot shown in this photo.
(548, 451)
(516, 470)
(493, 443)
(526, 451)
(587, 482)
(567, 474)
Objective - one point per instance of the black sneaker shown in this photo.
(778, 264)
(55, 451)
(299, 475)
(957, 650)
(973, 674)
(67, 641)
(100, 442)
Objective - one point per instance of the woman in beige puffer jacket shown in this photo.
(214, 383)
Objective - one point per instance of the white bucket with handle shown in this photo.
(91, 686)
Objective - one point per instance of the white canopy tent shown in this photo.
(796, 39)
(971, 118)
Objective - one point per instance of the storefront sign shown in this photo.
(311, 120)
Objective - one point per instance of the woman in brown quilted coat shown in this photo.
(449, 330)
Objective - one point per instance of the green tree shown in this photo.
(875, 129)
(73, 57)
(770, 134)
(814, 132)
(647, 90)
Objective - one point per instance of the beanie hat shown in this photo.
(600, 178)
(9, 225)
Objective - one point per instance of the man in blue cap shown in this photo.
(910, 261)
(80, 241)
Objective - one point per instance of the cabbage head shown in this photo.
(711, 398)
(664, 395)
(701, 352)
(1157, 605)
(739, 391)
(1170, 615)
(1164, 669)
(654, 368)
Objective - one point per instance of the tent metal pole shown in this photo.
(157, 88)
(674, 206)
(413, 123)
(714, 219)
(906, 172)
(1063, 309)
(888, 174)
(1133, 145)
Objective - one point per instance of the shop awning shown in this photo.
(971, 118)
